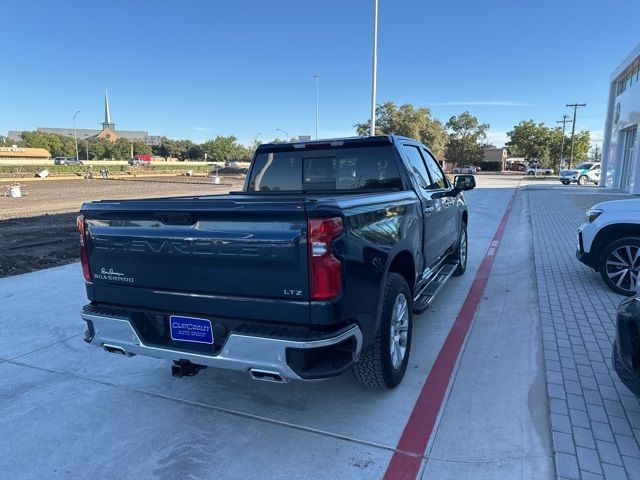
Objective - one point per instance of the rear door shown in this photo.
(433, 210)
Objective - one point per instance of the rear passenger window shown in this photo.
(437, 177)
(273, 172)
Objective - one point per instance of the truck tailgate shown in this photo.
(230, 255)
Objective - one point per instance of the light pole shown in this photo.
(564, 122)
(573, 127)
(317, 77)
(372, 130)
(286, 135)
(75, 134)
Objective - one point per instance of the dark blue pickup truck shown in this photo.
(315, 267)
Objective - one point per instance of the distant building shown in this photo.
(621, 149)
(495, 155)
(21, 153)
(108, 129)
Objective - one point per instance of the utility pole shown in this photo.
(317, 77)
(564, 122)
(75, 133)
(372, 130)
(573, 127)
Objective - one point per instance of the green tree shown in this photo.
(172, 148)
(221, 149)
(466, 139)
(140, 148)
(58, 145)
(530, 140)
(581, 146)
(409, 121)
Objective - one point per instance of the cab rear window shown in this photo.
(349, 168)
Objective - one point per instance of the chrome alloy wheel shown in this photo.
(623, 266)
(399, 331)
(463, 246)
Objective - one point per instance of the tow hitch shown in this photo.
(184, 368)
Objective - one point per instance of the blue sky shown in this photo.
(199, 69)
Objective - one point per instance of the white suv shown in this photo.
(609, 242)
(537, 169)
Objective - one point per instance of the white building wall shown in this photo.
(623, 114)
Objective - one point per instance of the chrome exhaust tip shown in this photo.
(266, 376)
(114, 349)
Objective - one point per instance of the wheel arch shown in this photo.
(404, 265)
(609, 234)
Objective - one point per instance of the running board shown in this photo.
(430, 290)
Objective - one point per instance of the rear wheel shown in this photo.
(582, 180)
(620, 265)
(530, 173)
(565, 182)
(383, 364)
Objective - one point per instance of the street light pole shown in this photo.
(75, 134)
(286, 135)
(564, 122)
(372, 130)
(317, 77)
(573, 127)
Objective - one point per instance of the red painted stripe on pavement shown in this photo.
(406, 461)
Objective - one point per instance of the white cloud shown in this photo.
(483, 103)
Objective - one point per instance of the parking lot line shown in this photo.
(422, 420)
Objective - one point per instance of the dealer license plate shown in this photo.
(189, 329)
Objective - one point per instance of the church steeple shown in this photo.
(107, 114)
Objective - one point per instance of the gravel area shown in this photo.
(38, 230)
(61, 196)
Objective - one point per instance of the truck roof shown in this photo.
(333, 142)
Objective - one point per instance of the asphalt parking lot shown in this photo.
(89, 414)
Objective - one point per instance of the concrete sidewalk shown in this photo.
(494, 424)
(595, 419)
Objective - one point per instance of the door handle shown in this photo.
(429, 209)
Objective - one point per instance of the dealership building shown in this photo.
(620, 149)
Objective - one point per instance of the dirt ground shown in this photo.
(39, 230)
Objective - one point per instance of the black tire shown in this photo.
(596, 183)
(458, 255)
(375, 367)
(617, 252)
(455, 170)
(582, 180)
(566, 183)
(530, 173)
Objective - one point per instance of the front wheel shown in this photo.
(582, 180)
(461, 251)
(530, 173)
(383, 364)
(620, 265)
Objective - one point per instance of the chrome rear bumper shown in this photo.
(240, 352)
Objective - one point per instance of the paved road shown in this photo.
(90, 414)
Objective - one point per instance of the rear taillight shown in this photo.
(84, 251)
(325, 270)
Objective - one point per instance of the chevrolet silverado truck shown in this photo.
(316, 267)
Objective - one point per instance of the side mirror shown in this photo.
(464, 182)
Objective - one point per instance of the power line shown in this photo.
(573, 127)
